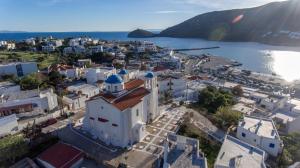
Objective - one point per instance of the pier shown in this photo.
(191, 49)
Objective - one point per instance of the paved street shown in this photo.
(146, 151)
(159, 129)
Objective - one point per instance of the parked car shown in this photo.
(50, 121)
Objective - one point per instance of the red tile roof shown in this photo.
(133, 84)
(61, 155)
(131, 99)
(58, 67)
(107, 96)
(159, 68)
(198, 77)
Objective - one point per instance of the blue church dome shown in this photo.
(149, 75)
(114, 79)
(123, 72)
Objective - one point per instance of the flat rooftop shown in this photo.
(72, 96)
(6, 84)
(237, 154)
(82, 87)
(295, 103)
(242, 108)
(284, 117)
(15, 63)
(260, 126)
(22, 95)
(187, 157)
(246, 101)
(261, 95)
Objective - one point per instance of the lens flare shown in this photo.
(237, 19)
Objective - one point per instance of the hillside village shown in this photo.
(84, 102)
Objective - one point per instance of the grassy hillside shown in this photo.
(43, 60)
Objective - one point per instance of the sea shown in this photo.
(280, 60)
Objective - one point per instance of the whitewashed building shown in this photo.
(235, 153)
(84, 62)
(77, 49)
(70, 72)
(181, 151)
(260, 132)
(18, 68)
(28, 103)
(99, 73)
(10, 46)
(118, 115)
(74, 101)
(48, 48)
(150, 46)
(30, 41)
(95, 49)
(8, 87)
(8, 125)
(78, 95)
(272, 103)
(175, 85)
(84, 89)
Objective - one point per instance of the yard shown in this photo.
(207, 146)
(43, 60)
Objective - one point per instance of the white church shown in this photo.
(119, 114)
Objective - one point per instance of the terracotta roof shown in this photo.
(133, 84)
(131, 99)
(198, 77)
(58, 67)
(61, 155)
(159, 68)
(28, 105)
(107, 96)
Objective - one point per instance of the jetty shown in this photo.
(191, 49)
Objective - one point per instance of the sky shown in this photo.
(106, 15)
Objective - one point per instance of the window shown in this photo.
(116, 88)
(271, 145)
(108, 87)
(102, 119)
(102, 107)
(115, 125)
(137, 112)
(243, 135)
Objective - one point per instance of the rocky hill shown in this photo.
(140, 33)
(274, 23)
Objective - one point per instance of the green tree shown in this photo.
(8, 77)
(237, 90)
(213, 98)
(32, 81)
(12, 147)
(55, 78)
(291, 151)
(225, 117)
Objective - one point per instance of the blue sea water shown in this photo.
(282, 60)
